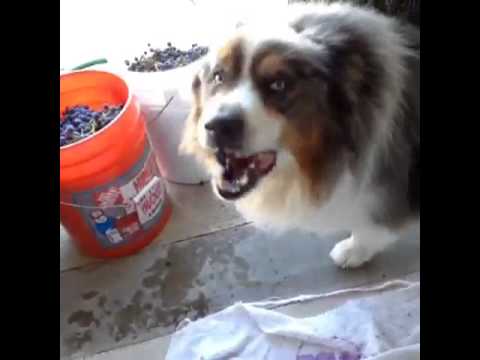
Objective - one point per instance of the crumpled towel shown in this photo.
(382, 327)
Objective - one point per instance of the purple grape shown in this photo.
(165, 59)
(81, 121)
(68, 128)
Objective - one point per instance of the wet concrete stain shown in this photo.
(156, 271)
(172, 284)
(200, 306)
(241, 264)
(89, 295)
(179, 280)
(171, 290)
(130, 318)
(102, 300)
(83, 319)
(199, 282)
(193, 310)
(78, 340)
(251, 284)
(139, 316)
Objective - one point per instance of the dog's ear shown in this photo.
(335, 77)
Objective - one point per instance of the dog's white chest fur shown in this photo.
(281, 203)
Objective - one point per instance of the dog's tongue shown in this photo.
(257, 164)
(264, 161)
(235, 167)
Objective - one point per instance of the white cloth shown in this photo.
(382, 327)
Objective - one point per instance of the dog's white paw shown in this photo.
(349, 254)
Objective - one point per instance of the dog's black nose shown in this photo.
(226, 129)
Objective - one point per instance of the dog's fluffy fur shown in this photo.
(345, 130)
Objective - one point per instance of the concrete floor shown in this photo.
(206, 259)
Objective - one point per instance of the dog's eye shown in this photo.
(278, 85)
(218, 77)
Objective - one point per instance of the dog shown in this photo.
(311, 120)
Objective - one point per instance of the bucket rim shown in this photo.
(127, 103)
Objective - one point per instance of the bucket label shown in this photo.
(123, 210)
(148, 201)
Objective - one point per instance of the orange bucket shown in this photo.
(113, 201)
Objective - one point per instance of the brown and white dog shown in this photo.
(313, 121)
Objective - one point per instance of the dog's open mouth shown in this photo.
(241, 174)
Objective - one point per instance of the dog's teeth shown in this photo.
(243, 180)
(235, 188)
(230, 186)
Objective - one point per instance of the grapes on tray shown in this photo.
(79, 122)
(165, 59)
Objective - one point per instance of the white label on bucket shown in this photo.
(114, 236)
(128, 191)
(130, 207)
(149, 200)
